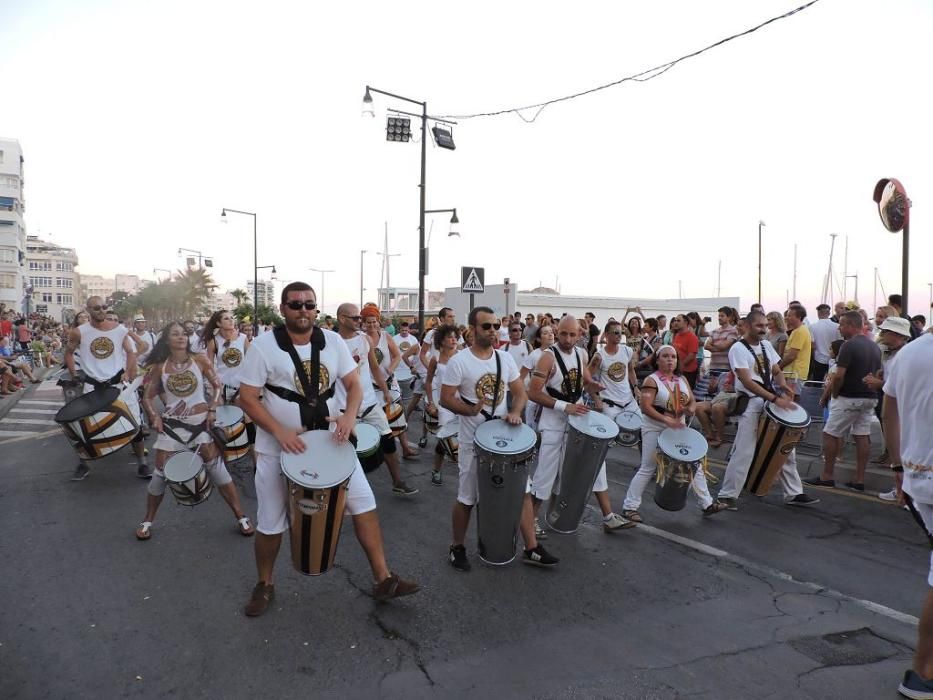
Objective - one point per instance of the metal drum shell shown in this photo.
(629, 429)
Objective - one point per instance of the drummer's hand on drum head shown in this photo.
(289, 440)
(576, 409)
(345, 425)
(784, 401)
(512, 419)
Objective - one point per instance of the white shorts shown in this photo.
(167, 443)
(926, 512)
(272, 495)
(216, 470)
(377, 418)
(850, 414)
(468, 485)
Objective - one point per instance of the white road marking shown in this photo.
(14, 433)
(30, 436)
(47, 411)
(36, 421)
(33, 402)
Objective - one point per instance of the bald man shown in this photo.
(108, 357)
(557, 384)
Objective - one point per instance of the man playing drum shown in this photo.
(108, 356)
(271, 393)
(178, 377)
(613, 366)
(474, 387)
(557, 385)
(759, 377)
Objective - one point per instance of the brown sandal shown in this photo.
(632, 516)
(716, 507)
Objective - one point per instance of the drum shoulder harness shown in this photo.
(570, 394)
(495, 395)
(313, 405)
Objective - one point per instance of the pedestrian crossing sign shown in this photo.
(472, 280)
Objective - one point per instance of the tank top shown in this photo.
(670, 397)
(383, 357)
(185, 385)
(228, 358)
(102, 352)
(613, 374)
(359, 349)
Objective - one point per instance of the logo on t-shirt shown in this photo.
(616, 371)
(182, 383)
(486, 390)
(102, 347)
(379, 356)
(323, 383)
(404, 345)
(232, 357)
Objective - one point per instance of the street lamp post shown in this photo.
(362, 252)
(162, 269)
(223, 219)
(856, 285)
(201, 256)
(761, 224)
(422, 256)
(320, 300)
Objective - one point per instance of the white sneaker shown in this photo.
(888, 495)
(616, 522)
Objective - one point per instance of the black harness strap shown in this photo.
(98, 384)
(495, 394)
(570, 394)
(763, 365)
(313, 405)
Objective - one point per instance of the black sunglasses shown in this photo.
(352, 318)
(296, 305)
(98, 308)
(487, 326)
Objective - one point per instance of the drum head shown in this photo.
(629, 420)
(795, 416)
(501, 438)
(182, 467)
(323, 464)
(367, 438)
(595, 425)
(87, 404)
(683, 444)
(228, 415)
(448, 429)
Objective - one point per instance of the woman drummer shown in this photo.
(445, 344)
(544, 338)
(665, 400)
(178, 378)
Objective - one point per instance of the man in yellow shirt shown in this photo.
(797, 352)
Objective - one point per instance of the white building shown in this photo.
(96, 286)
(56, 285)
(12, 228)
(266, 293)
(215, 302)
(131, 284)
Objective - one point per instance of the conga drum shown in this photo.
(503, 455)
(395, 413)
(187, 478)
(587, 442)
(98, 423)
(779, 431)
(368, 447)
(629, 423)
(679, 452)
(317, 481)
(232, 424)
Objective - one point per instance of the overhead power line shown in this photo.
(641, 77)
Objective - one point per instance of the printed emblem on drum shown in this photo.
(232, 357)
(404, 345)
(182, 383)
(379, 356)
(486, 390)
(617, 371)
(309, 507)
(323, 384)
(501, 443)
(498, 481)
(102, 347)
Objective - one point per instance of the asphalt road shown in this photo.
(769, 601)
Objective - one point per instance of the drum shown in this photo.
(405, 380)
(629, 423)
(231, 421)
(503, 454)
(447, 438)
(395, 413)
(679, 451)
(368, 447)
(98, 423)
(779, 432)
(431, 423)
(317, 481)
(187, 478)
(586, 444)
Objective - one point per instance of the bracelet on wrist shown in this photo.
(898, 468)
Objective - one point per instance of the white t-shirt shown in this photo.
(475, 380)
(613, 374)
(909, 379)
(359, 346)
(823, 333)
(504, 334)
(102, 352)
(741, 358)
(267, 364)
(518, 352)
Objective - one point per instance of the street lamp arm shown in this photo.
(370, 88)
(237, 211)
(441, 211)
(427, 116)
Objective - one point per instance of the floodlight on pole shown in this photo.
(444, 138)
(398, 129)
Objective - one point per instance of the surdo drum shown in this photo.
(779, 432)
(187, 478)
(679, 452)
(317, 481)
(447, 438)
(98, 423)
(503, 455)
(587, 442)
(629, 424)
(232, 424)
(368, 447)
(395, 413)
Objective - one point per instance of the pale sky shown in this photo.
(139, 121)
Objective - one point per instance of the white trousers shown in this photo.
(649, 465)
(553, 429)
(744, 453)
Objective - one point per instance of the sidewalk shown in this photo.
(7, 403)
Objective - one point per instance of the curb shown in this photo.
(7, 404)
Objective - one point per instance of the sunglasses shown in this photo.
(353, 318)
(515, 330)
(98, 308)
(615, 332)
(297, 305)
(487, 326)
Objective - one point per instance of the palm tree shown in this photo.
(240, 295)
(194, 288)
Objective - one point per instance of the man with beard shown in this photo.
(758, 375)
(108, 357)
(269, 393)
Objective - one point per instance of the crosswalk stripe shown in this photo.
(14, 433)
(36, 421)
(32, 402)
(48, 411)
